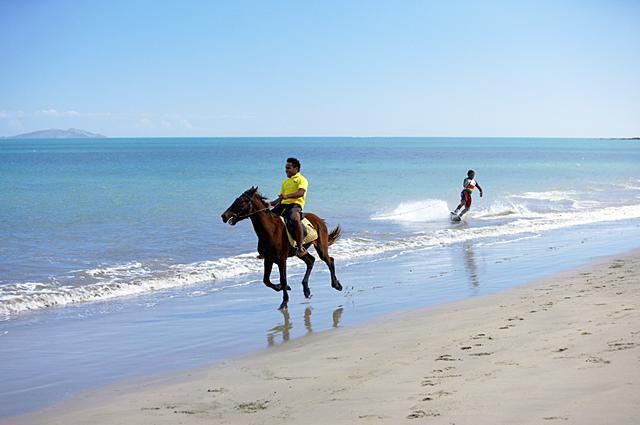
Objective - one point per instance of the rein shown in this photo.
(250, 214)
(241, 217)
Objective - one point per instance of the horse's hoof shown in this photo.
(288, 288)
(336, 285)
(283, 306)
(277, 287)
(307, 293)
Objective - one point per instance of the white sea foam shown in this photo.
(500, 209)
(551, 195)
(135, 278)
(19, 297)
(130, 270)
(417, 211)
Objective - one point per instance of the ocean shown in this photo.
(115, 264)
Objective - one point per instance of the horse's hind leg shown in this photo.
(308, 260)
(323, 252)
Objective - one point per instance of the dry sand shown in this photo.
(565, 350)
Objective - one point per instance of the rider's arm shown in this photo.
(297, 194)
(274, 202)
(479, 188)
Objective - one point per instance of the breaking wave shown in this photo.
(137, 278)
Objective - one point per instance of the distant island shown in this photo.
(54, 133)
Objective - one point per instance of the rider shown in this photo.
(291, 200)
(465, 196)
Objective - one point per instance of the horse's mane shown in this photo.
(263, 198)
(254, 192)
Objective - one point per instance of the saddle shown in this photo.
(309, 233)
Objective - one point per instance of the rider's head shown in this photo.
(471, 174)
(293, 167)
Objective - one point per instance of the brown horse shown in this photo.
(274, 244)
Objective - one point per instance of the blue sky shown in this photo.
(325, 68)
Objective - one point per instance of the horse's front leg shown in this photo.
(282, 266)
(266, 279)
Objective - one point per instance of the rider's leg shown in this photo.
(298, 231)
(462, 202)
(467, 205)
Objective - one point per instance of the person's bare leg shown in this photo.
(299, 235)
(460, 205)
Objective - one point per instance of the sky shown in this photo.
(321, 68)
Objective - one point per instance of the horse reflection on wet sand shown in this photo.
(276, 249)
(284, 328)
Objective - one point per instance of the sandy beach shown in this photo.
(563, 350)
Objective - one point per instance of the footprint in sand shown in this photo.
(617, 346)
(436, 394)
(594, 359)
(417, 414)
(253, 406)
(617, 264)
(447, 358)
(372, 417)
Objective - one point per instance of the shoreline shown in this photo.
(562, 349)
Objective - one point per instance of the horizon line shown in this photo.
(16, 137)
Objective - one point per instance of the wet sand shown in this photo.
(564, 350)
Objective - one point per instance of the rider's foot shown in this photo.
(301, 252)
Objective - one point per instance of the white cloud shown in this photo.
(55, 113)
(15, 124)
(5, 115)
(146, 123)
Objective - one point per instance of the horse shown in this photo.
(274, 244)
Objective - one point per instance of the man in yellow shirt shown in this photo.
(290, 202)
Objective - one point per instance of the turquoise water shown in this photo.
(114, 262)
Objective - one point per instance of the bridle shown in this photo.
(250, 200)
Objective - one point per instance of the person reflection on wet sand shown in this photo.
(470, 263)
(284, 329)
(337, 314)
(307, 319)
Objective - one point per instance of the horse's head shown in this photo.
(241, 208)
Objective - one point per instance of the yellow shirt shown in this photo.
(291, 185)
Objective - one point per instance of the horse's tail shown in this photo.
(334, 235)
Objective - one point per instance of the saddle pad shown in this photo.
(311, 234)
